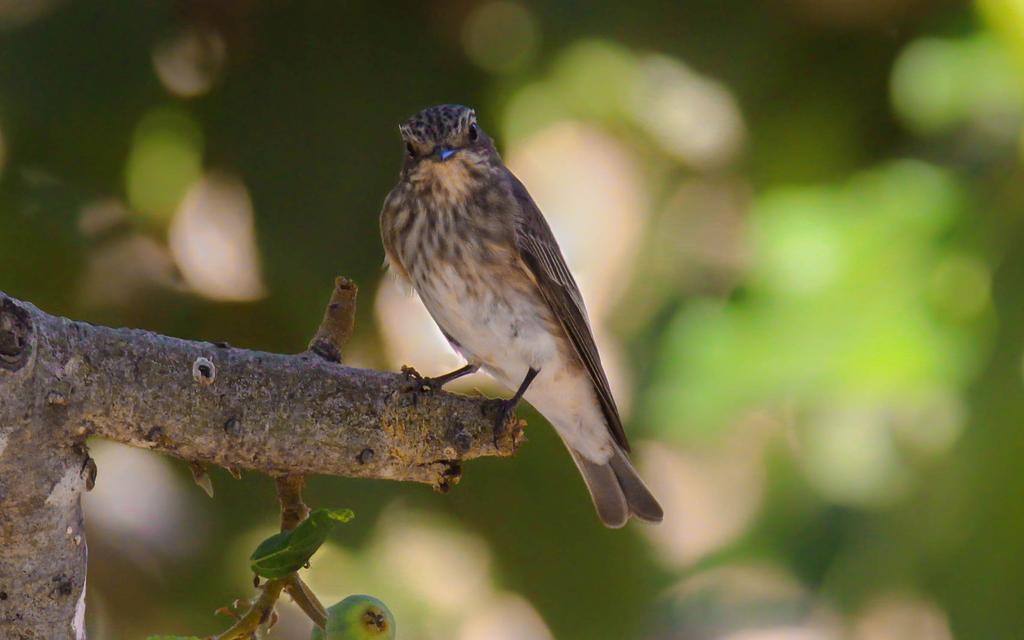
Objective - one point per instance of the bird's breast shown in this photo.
(466, 225)
(447, 183)
(491, 316)
(458, 248)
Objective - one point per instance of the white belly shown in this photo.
(497, 329)
(507, 335)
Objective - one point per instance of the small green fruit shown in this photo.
(357, 618)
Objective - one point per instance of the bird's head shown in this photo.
(441, 139)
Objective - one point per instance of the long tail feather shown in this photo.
(617, 490)
(642, 503)
(604, 489)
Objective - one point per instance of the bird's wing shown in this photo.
(539, 251)
(394, 220)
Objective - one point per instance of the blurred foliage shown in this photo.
(815, 312)
(850, 294)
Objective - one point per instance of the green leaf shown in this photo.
(289, 551)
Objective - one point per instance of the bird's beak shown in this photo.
(445, 152)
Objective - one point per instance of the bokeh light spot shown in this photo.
(591, 75)
(850, 457)
(213, 240)
(139, 504)
(938, 84)
(802, 249)
(896, 617)
(534, 107)
(933, 424)
(505, 617)
(500, 36)
(693, 118)
(166, 157)
(123, 270)
(189, 62)
(710, 497)
(747, 602)
(924, 87)
(446, 567)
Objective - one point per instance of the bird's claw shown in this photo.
(418, 383)
(411, 372)
(505, 409)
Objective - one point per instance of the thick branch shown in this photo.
(278, 414)
(42, 474)
(61, 381)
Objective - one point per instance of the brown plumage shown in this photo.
(465, 233)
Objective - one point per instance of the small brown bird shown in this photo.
(464, 232)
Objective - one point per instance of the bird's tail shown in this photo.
(617, 490)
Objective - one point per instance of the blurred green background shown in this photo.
(799, 226)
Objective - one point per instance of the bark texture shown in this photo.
(62, 381)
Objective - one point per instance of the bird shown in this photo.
(462, 230)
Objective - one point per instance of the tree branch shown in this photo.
(245, 409)
(338, 321)
(61, 381)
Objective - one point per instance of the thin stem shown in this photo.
(338, 321)
(289, 495)
(258, 614)
(306, 600)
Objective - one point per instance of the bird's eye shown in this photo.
(474, 132)
(410, 149)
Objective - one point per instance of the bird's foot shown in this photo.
(504, 410)
(419, 383)
(416, 384)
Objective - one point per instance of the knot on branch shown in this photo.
(15, 330)
(203, 371)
